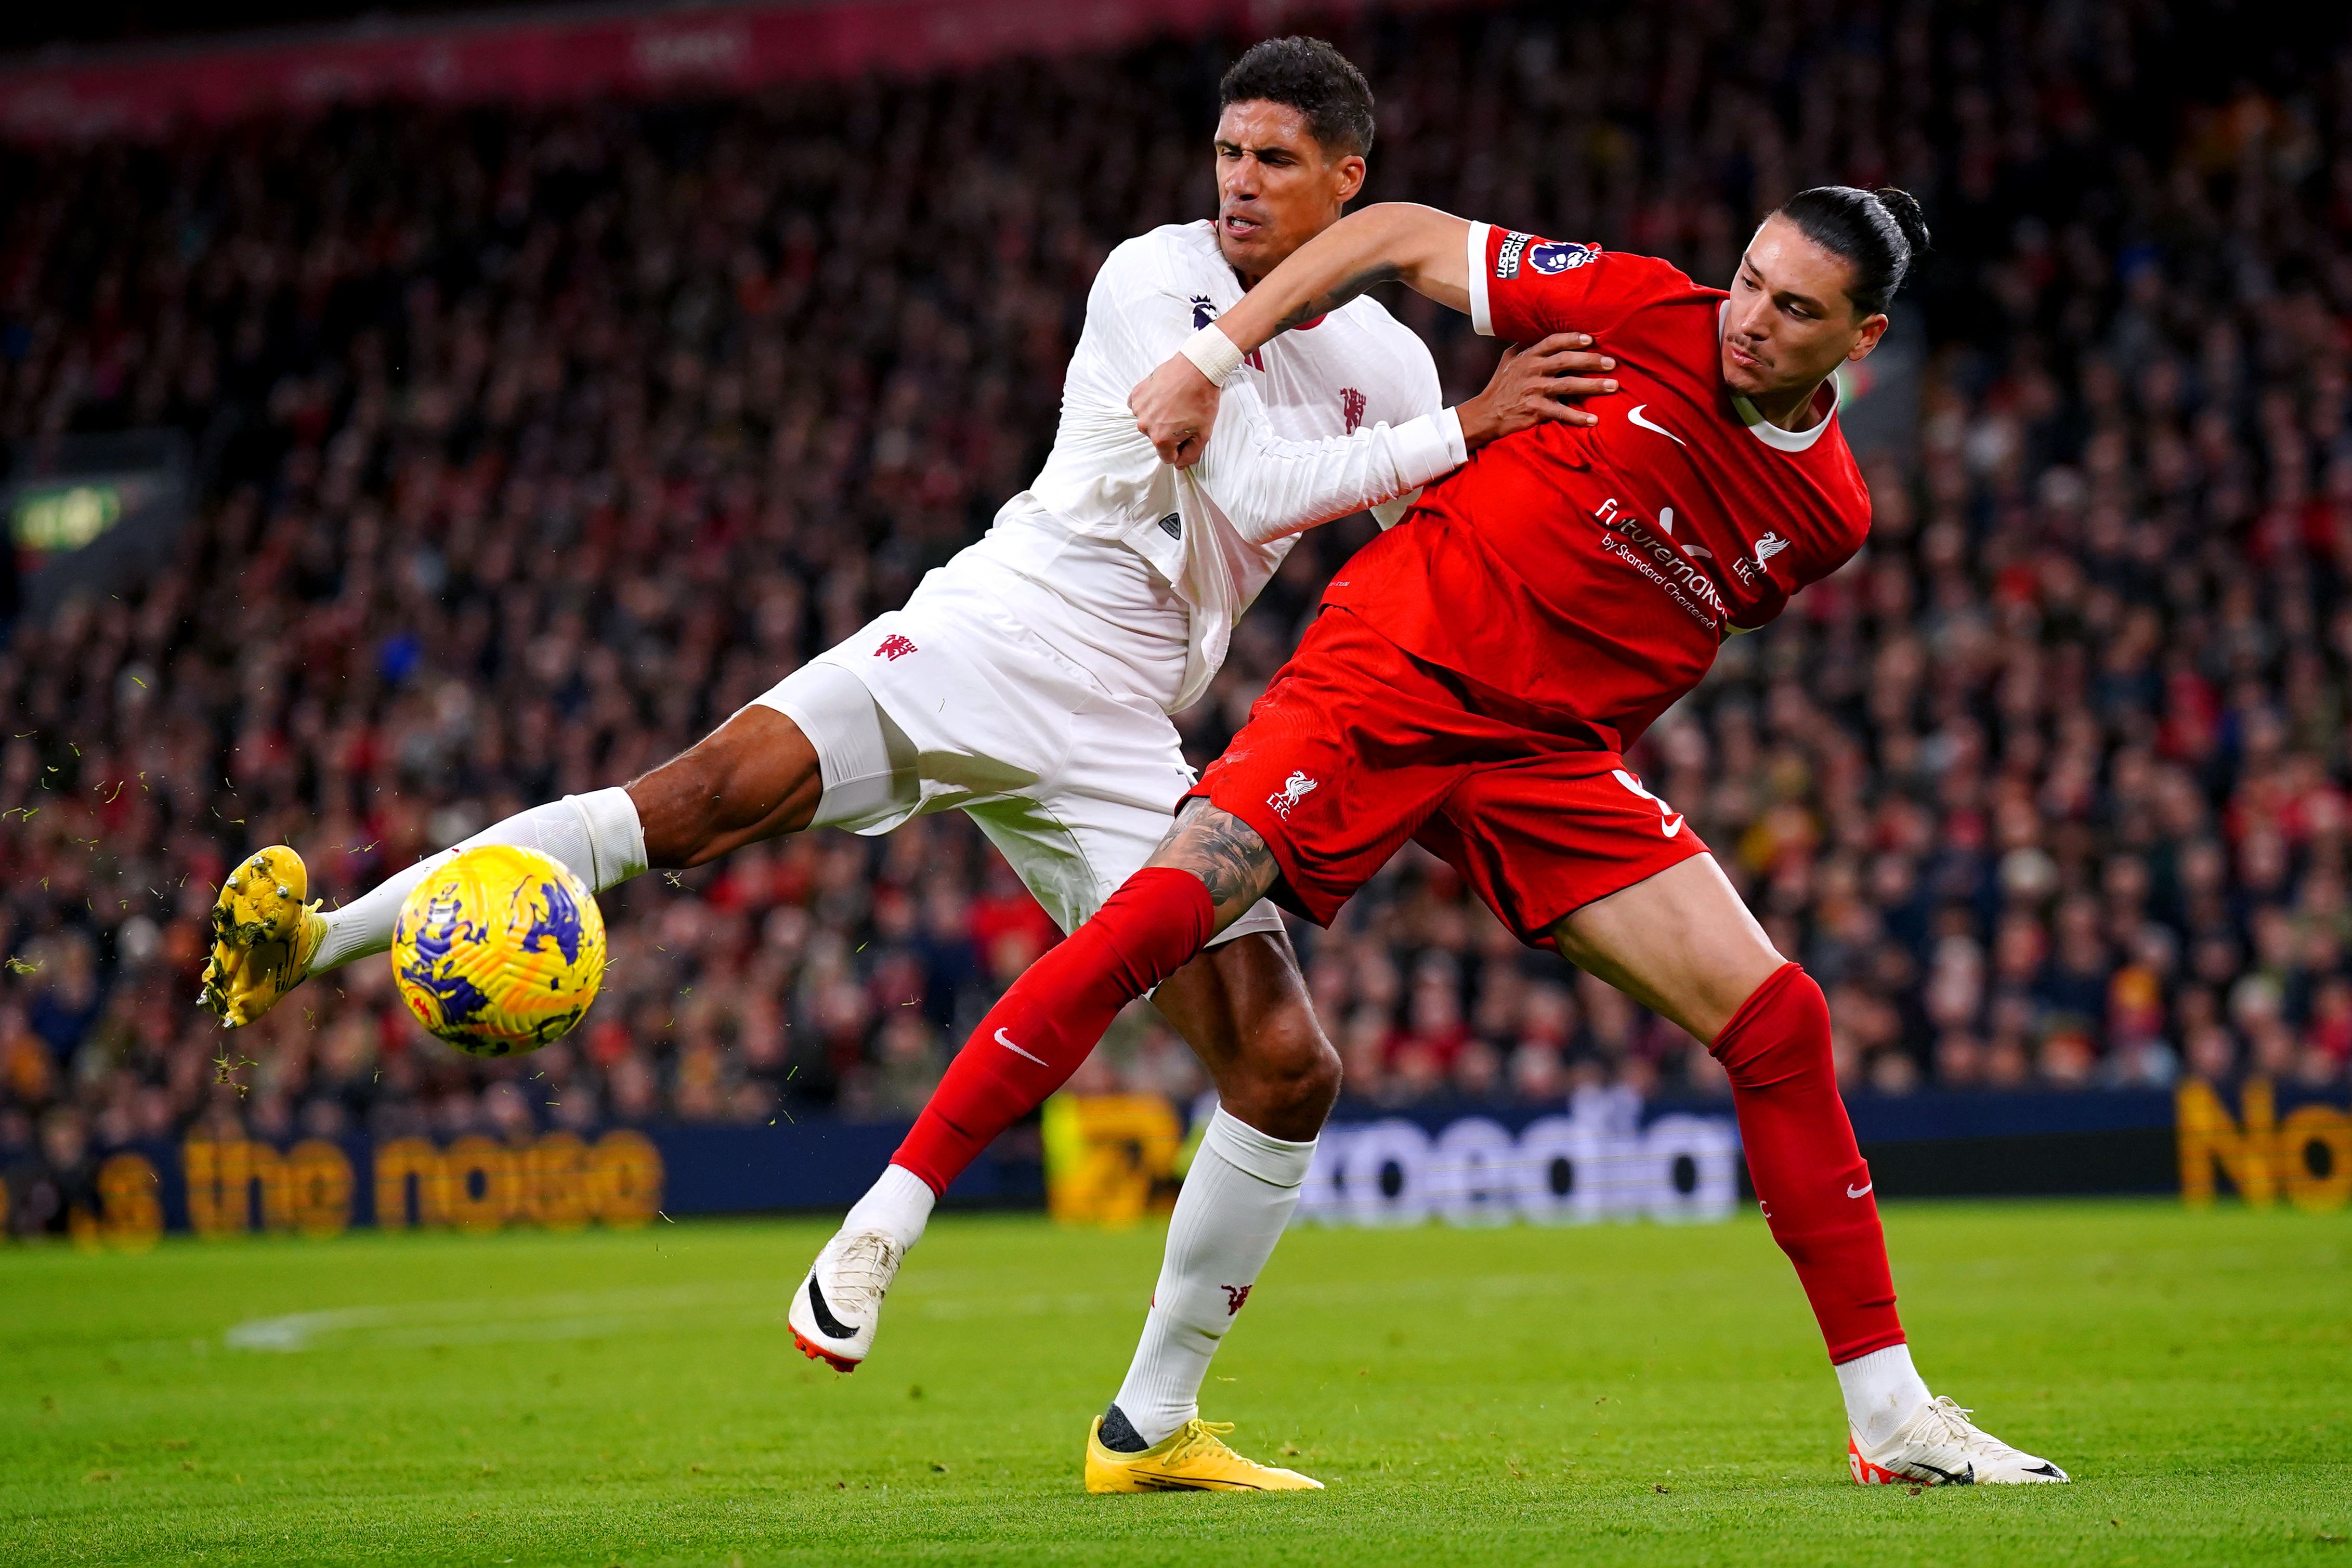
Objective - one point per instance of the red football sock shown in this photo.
(1809, 1173)
(1038, 1032)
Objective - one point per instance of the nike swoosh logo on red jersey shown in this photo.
(1634, 413)
(1006, 1041)
(1670, 826)
(1861, 1191)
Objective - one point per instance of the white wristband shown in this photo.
(1213, 353)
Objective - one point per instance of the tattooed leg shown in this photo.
(1226, 853)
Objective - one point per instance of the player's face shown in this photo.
(1790, 321)
(1276, 187)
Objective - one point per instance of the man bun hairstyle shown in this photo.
(1878, 233)
(1311, 77)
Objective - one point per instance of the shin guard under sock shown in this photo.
(1809, 1173)
(1038, 1032)
(1240, 1192)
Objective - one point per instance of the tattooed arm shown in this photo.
(1426, 249)
(1225, 852)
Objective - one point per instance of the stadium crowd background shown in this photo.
(535, 442)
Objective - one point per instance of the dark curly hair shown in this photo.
(1311, 77)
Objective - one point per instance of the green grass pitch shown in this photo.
(1615, 1395)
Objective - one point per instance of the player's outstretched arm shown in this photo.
(1426, 249)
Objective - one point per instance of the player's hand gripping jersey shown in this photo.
(1592, 571)
(1337, 415)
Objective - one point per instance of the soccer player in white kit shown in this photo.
(1028, 683)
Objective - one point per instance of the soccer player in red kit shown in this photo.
(1478, 673)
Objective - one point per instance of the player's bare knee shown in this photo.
(1315, 1087)
(1289, 1073)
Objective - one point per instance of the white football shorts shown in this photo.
(945, 706)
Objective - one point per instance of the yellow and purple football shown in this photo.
(498, 952)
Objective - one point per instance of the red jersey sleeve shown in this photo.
(1522, 285)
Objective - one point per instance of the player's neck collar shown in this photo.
(1771, 435)
(1781, 440)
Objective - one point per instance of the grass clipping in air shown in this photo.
(1612, 1394)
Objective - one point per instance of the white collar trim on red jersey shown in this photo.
(1771, 435)
(1781, 440)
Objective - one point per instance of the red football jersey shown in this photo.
(1592, 571)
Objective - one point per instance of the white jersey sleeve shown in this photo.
(1389, 513)
(1216, 533)
(1268, 487)
(1417, 390)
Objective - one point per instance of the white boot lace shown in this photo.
(867, 1262)
(1949, 1419)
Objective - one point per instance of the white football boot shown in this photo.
(1941, 1446)
(835, 1311)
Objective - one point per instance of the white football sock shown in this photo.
(1235, 1201)
(1882, 1392)
(596, 836)
(898, 1205)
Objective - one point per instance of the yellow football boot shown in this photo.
(1193, 1461)
(264, 937)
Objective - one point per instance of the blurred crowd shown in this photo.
(534, 443)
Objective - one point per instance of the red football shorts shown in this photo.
(1357, 746)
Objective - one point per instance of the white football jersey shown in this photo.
(1139, 570)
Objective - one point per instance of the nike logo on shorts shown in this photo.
(1670, 822)
(1006, 1041)
(1861, 1191)
(1634, 413)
